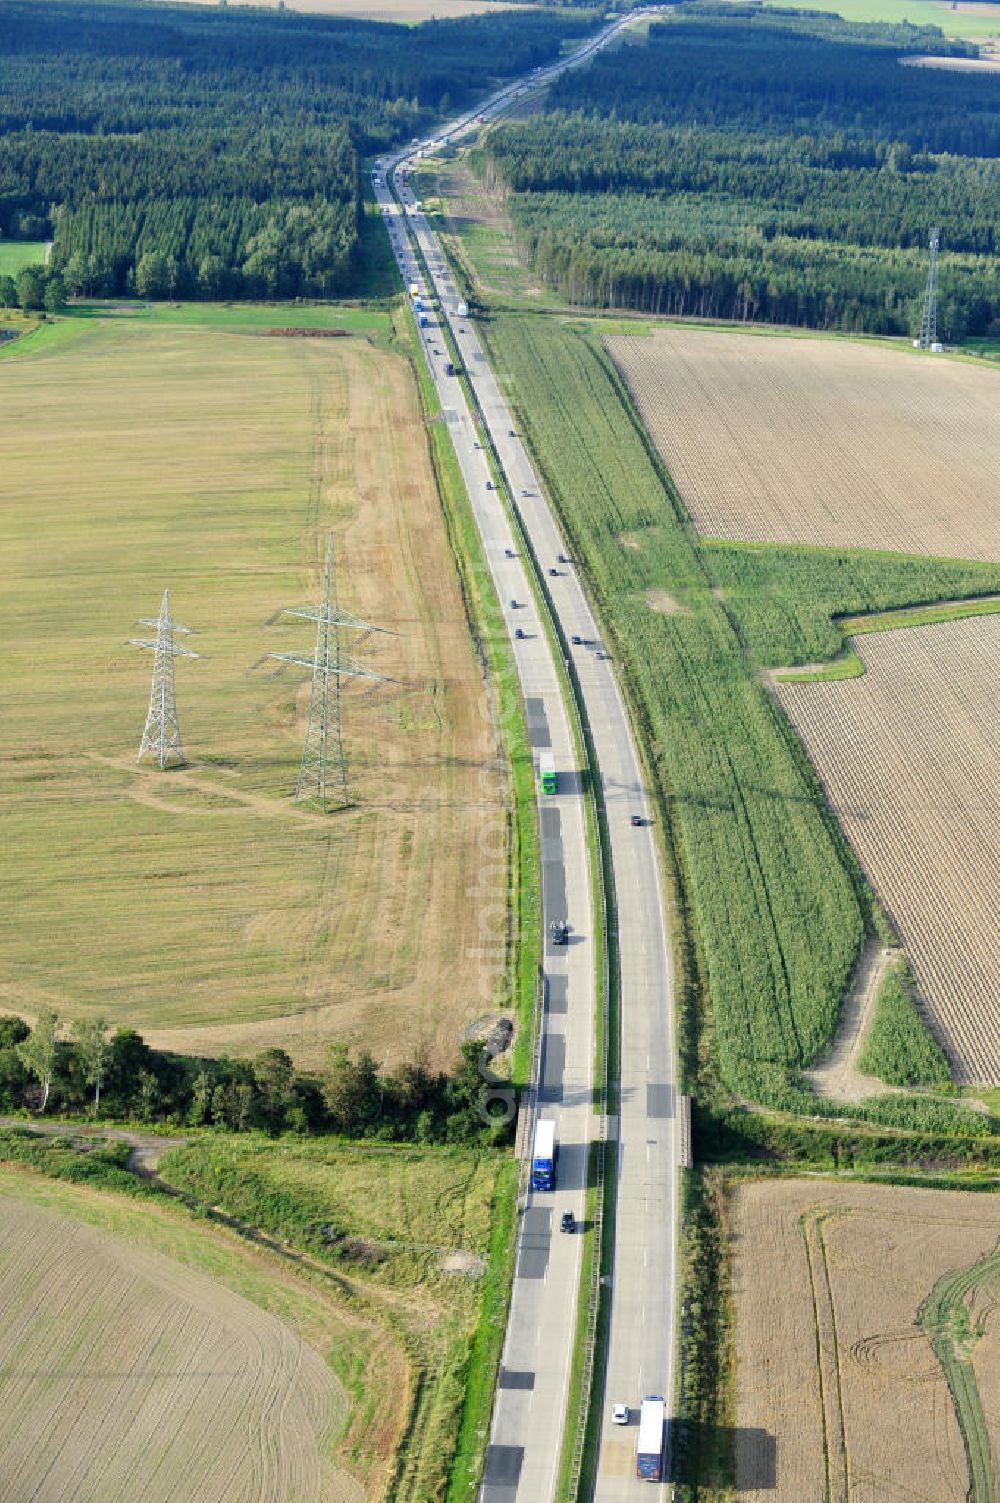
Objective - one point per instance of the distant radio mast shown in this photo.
(323, 769)
(162, 735)
(928, 319)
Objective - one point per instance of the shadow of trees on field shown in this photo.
(747, 1454)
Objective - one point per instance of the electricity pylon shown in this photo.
(323, 769)
(928, 319)
(162, 735)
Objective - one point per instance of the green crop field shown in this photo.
(976, 21)
(743, 809)
(203, 906)
(898, 1047)
(786, 597)
(776, 906)
(356, 320)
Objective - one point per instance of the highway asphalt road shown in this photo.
(530, 1411)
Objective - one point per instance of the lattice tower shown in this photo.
(928, 318)
(323, 769)
(162, 733)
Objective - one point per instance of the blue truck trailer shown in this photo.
(543, 1155)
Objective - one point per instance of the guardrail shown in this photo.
(604, 880)
(608, 907)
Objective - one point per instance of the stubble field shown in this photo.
(909, 755)
(867, 1343)
(125, 1373)
(825, 442)
(202, 906)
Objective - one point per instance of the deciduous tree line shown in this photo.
(93, 1070)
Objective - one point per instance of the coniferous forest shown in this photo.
(215, 152)
(764, 165)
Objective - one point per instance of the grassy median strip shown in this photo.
(582, 1364)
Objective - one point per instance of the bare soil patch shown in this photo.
(475, 213)
(823, 441)
(839, 1391)
(909, 755)
(659, 600)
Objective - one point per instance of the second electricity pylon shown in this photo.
(928, 319)
(323, 769)
(162, 734)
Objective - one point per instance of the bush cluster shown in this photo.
(34, 288)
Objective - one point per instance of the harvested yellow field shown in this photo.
(866, 1343)
(909, 755)
(126, 1374)
(987, 64)
(821, 441)
(203, 906)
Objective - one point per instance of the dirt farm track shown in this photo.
(909, 755)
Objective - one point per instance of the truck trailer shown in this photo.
(543, 1155)
(547, 773)
(649, 1452)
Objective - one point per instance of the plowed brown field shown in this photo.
(127, 1375)
(823, 441)
(840, 1394)
(909, 755)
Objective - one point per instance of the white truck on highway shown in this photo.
(649, 1451)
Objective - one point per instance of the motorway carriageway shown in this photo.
(529, 1418)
